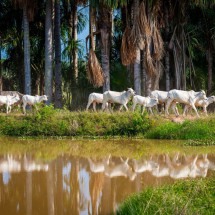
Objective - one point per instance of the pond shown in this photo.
(67, 176)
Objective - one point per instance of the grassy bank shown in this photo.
(184, 197)
(50, 122)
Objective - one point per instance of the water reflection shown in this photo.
(79, 185)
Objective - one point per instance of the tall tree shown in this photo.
(48, 51)
(58, 75)
(28, 7)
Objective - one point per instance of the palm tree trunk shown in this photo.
(210, 69)
(105, 29)
(166, 59)
(48, 51)
(137, 83)
(143, 74)
(26, 52)
(58, 75)
(75, 38)
(0, 67)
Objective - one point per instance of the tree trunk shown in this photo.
(210, 69)
(58, 75)
(148, 84)
(48, 51)
(167, 55)
(27, 65)
(137, 84)
(75, 38)
(0, 67)
(105, 29)
(143, 75)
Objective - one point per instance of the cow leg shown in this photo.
(133, 106)
(94, 106)
(168, 103)
(125, 107)
(205, 110)
(175, 109)
(143, 109)
(103, 105)
(24, 108)
(194, 108)
(88, 105)
(150, 110)
(186, 108)
(120, 108)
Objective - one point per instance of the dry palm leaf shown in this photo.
(143, 22)
(128, 49)
(94, 70)
(148, 59)
(158, 44)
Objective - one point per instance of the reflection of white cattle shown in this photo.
(10, 165)
(200, 167)
(162, 169)
(121, 98)
(182, 170)
(95, 98)
(97, 166)
(144, 165)
(119, 169)
(30, 166)
(201, 103)
(184, 97)
(145, 102)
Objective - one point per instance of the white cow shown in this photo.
(8, 101)
(10, 165)
(95, 98)
(162, 99)
(121, 98)
(32, 100)
(184, 97)
(201, 103)
(120, 169)
(145, 102)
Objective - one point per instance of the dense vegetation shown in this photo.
(51, 122)
(184, 197)
(142, 44)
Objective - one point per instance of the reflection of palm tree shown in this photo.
(96, 185)
(75, 192)
(50, 190)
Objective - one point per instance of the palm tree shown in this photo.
(58, 75)
(48, 51)
(28, 7)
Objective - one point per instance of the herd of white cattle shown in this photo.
(177, 166)
(190, 99)
(9, 100)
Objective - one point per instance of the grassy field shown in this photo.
(184, 197)
(50, 122)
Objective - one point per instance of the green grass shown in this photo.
(184, 197)
(50, 122)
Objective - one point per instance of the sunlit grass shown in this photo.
(183, 197)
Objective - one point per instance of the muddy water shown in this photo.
(51, 177)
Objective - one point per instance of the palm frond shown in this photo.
(94, 70)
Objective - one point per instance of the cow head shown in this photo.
(202, 94)
(45, 98)
(131, 91)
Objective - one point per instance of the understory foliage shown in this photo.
(54, 122)
(183, 197)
